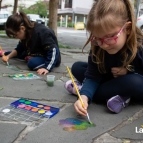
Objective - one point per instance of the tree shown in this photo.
(53, 7)
(38, 8)
(15, 6)
(0, 3)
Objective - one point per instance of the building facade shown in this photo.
(73, 11)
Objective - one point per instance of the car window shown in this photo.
(36, 16)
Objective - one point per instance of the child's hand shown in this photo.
(42, 71)
(118, 71)
(78, 106)
(5, 58)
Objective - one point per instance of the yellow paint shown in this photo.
(41, 111)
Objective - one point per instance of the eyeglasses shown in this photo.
(108, 41)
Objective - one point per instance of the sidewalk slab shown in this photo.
(132, 131)
(34, 89)
(3, 103)
(9, 132)
(52, 132)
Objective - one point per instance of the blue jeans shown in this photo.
(36, 63)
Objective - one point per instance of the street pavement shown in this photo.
(125, 127)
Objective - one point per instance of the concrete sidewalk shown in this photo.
(125, 127)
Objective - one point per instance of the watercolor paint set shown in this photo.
(24, 76)
(35, 107)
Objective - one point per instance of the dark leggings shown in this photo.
(129, 85)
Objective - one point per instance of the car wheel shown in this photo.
(142, 27)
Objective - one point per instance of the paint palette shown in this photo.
(22, 116)
(25, 76)
(35, 107)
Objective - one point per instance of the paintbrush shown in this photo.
(4, 55)
(75, 86)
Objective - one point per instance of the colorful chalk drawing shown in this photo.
(24, 76)
(14, 68)
(71, 124)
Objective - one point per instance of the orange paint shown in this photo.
(34, 109)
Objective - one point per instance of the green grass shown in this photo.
(64, 46)
(2, 32)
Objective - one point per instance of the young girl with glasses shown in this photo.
(114, 72)
(38, 44)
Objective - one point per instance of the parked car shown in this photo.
(3, 18)
(140, 22)
(36, 18)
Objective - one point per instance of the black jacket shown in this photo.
(43, 43)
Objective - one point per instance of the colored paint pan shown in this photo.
(35, 107)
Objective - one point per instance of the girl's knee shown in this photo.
(75, 65)
(30, 64)
(136, 79)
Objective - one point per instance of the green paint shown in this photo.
(22, 100)
(50, 83)
(1, 88)
(27, 102)
(14, 68)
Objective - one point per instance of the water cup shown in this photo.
(50, 80)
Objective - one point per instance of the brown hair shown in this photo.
(15, 21)
(105, 14)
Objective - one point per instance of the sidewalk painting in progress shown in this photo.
(71, 124)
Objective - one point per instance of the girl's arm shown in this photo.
(51, 58)
(87, 92)
(90, 85)
(12, 54)
(89, 88)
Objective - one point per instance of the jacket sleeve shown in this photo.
(51, 58)
(138, 61)
(89, 88)
(50, 47)
(92, 79)
(19, 48)
(92, 71)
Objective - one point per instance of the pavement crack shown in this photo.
(130, 120)
(23, 133)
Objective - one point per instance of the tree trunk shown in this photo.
(15, 6)
(0, 4)
(53, 8)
